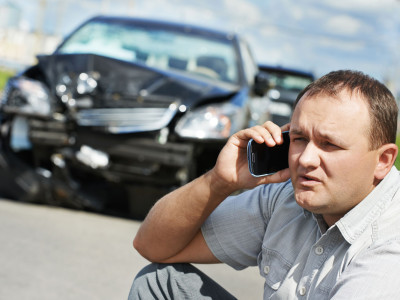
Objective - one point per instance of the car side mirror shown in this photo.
(261, 84)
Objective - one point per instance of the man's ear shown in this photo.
(387, 156)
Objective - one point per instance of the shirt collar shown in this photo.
(357, 220)
(319, 219)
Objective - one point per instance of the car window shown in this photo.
(289, 81)
(157, 47)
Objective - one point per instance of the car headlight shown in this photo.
(217, 121)
(73, 90)
(29, 96)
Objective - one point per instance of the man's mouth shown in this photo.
(308, 180)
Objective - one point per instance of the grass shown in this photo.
(397, 162)
(4, 75)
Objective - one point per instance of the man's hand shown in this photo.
(231, 171)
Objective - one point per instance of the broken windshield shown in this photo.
(157, 48)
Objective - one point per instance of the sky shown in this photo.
(312, 35)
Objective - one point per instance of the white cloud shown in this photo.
(269, 31)
(202, 14)
(242, 11)
(344, 46)
(363, 6)
(343, 25)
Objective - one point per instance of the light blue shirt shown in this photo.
(299, 257)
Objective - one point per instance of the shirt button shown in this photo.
(266, 270)
(303, 291)
(319, 250)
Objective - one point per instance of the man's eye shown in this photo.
(299, 139)
(330, 145)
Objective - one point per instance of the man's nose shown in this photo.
(310, 157)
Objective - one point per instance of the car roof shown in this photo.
(284, 70)
(170, 25)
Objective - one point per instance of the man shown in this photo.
(330, 232)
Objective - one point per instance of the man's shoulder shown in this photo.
(279, 198)
(282, 190)
(264, 198)
(387, 224)
(272, 192)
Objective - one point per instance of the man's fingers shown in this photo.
(268, 133)
(275, 131)
(257, 133)
(286, 127)
(277, 177)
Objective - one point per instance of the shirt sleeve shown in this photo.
(374, 274)
(234, 232)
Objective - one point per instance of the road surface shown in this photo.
(56, 253)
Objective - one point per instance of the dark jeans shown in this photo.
(175, 281)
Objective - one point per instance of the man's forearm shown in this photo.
(177, 217)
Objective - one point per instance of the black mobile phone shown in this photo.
(264, 160)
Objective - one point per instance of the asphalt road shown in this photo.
(56, 253)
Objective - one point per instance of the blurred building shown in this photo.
(18, 45)
(19, 48)
(10, 15)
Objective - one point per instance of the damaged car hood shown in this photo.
(124, 84)
(125, 97)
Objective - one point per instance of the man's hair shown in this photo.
(382, 106)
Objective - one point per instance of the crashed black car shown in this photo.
(124, 111)
(286, 84)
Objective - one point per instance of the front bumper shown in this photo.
(131, 158)
(147, 161)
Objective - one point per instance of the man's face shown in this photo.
(331, 166)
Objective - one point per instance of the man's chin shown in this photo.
(308, 201)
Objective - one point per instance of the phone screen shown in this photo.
(264, 160)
